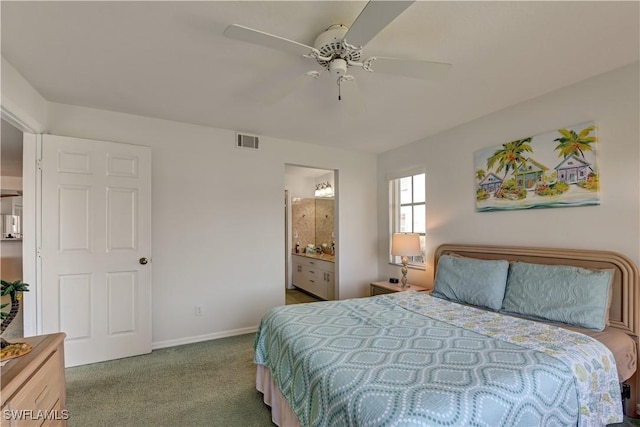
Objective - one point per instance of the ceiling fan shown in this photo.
(339, 48)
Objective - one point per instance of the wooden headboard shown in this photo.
(624, 306)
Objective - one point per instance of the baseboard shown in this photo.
(200, 338)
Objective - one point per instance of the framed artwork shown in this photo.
(551, 170)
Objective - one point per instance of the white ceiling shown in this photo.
(305, 172)
(170, 60)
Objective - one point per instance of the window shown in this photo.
(407, 203)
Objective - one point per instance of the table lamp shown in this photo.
(405, 245)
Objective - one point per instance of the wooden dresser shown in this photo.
(33, 387)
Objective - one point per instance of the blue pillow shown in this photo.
(471, 281)
(560, 293)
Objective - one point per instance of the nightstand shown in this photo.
(379, 288)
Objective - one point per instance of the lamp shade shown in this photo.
(405, 244)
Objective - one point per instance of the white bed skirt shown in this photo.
(281, 413)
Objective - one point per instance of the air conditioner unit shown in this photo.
(246, 141)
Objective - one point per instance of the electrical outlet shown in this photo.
(626, 391)
(198, 310)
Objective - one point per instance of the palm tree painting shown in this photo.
(550, 170)
(573, 143)
(509, 157)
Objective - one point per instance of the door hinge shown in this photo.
(39, 164)
(38, 255)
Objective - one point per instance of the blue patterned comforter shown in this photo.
(408, 359)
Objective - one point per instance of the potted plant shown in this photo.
(14, 290)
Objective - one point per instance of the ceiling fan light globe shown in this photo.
(338, 67)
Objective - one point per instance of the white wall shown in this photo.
(11, 182)
(611, 99)
(218, 219)
(21, 101)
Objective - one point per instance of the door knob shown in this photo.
(143, 260)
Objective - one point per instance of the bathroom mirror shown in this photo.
(10, 215)
(324, 222)
(313, 222)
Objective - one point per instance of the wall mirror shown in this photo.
(313, 222)
(10, 215)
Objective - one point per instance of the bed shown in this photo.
(456, 357)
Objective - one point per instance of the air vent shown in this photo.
(246, 141)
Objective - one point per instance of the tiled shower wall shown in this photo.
(303, 223)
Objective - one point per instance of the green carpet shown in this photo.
(204, 384)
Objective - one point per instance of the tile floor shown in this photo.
(296, 296)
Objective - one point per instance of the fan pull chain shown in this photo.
(341, 79)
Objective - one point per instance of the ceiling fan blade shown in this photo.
(279, 92)
(374, 17)
(416, 68)
(239, 32)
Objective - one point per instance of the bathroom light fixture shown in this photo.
(328, 191)
(405, 245)
(324, 190)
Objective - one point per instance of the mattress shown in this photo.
(325, 325)
(621, 345)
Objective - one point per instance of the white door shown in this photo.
(94, 248)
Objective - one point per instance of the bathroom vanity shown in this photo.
(315, 273)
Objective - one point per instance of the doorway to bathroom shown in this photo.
(311, 234)
(11, 146)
